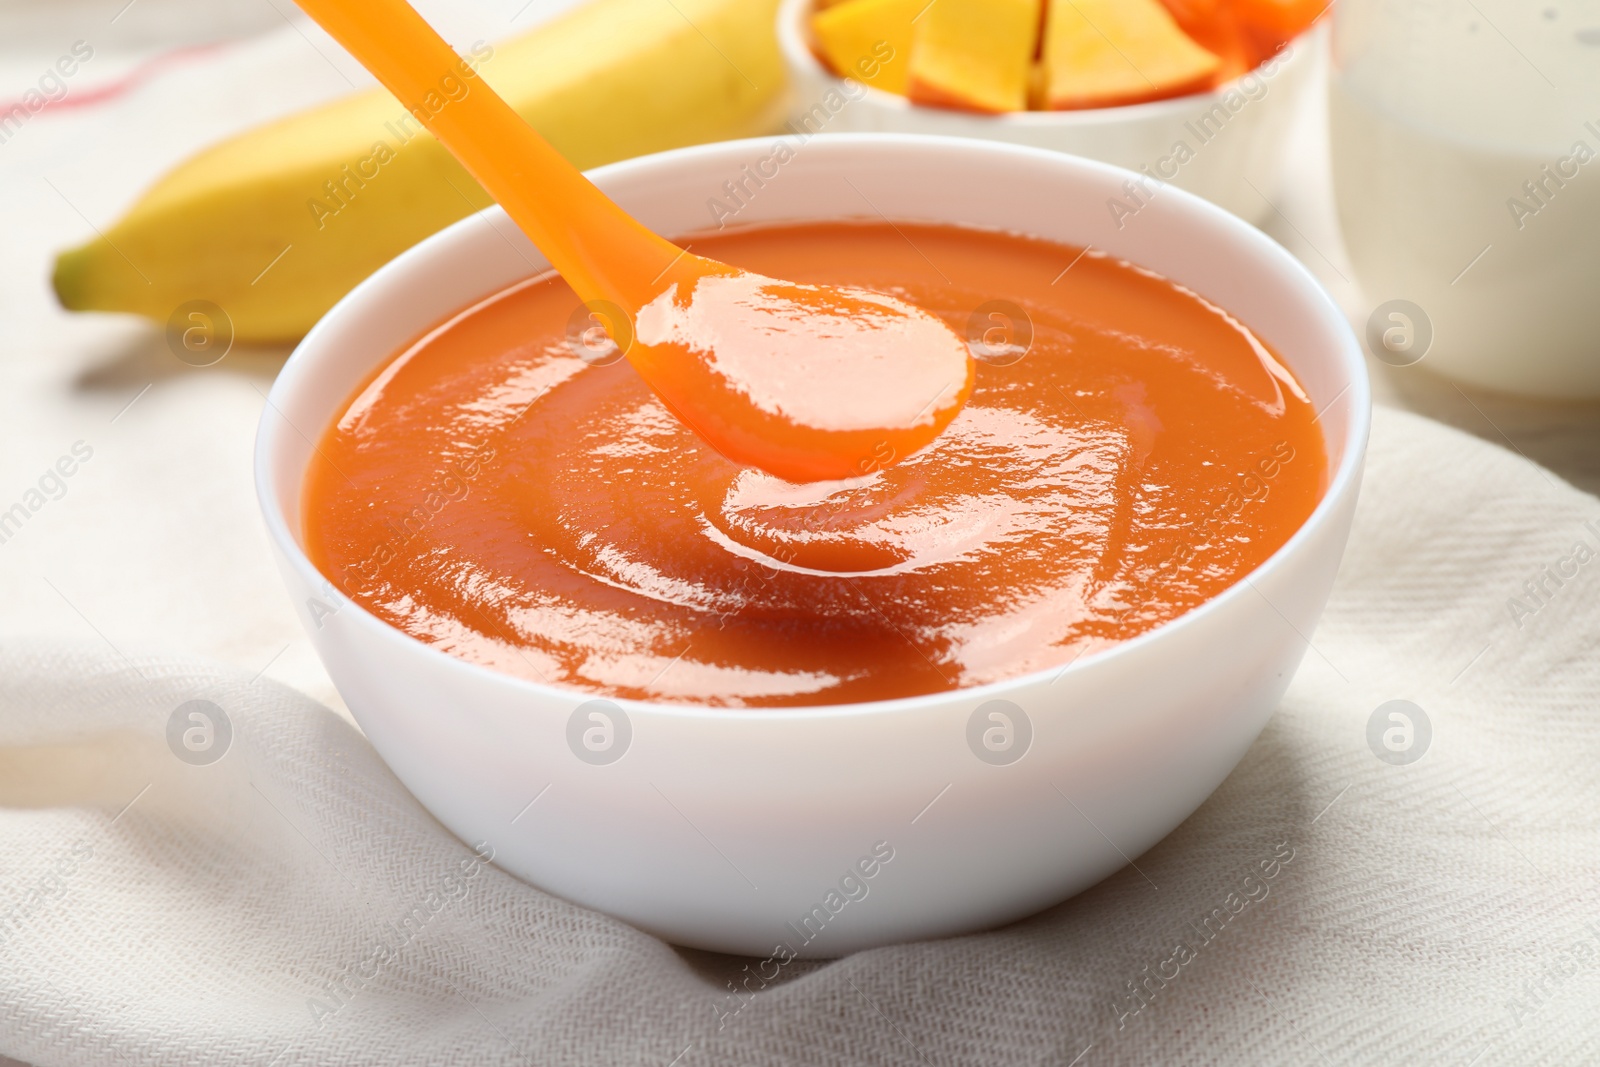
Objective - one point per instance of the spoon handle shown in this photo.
(599, 249)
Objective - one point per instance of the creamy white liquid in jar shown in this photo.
(1466, 151)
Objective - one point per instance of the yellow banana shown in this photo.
(275, 225)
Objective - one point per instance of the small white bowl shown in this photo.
(725, 829)
(1234, 135)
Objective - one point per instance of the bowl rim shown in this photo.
(799, 56)
(1344, 481)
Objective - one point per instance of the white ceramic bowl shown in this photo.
(720, 828)
(1235, 135)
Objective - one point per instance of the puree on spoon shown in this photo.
(491, 494)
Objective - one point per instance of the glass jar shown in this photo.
(1466, 155)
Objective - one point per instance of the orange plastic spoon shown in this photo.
(807, 382)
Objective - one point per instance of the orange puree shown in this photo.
(496, 497)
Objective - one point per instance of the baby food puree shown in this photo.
(491, 494)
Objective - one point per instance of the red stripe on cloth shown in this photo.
(99, 94)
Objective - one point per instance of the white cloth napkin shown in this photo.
(289, 903)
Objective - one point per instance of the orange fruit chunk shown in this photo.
(974, 54)
(1282, 19)
(868, 40)
(1192, 12)
(1106, 53)
(1213, 25)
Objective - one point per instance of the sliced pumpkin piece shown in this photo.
(868, 40)
(974, 54)
(1106, 53)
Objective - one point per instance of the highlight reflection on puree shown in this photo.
(491, 494)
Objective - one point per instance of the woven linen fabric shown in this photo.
(289, 903)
